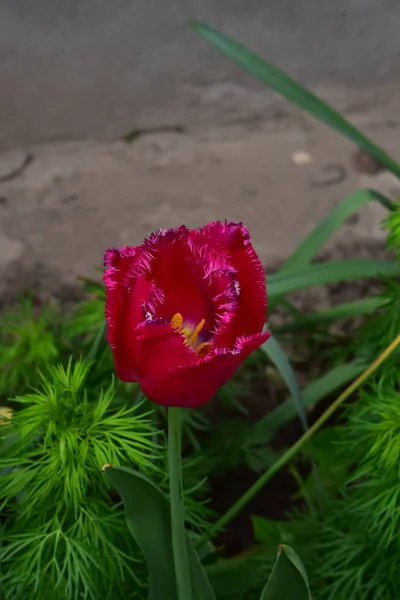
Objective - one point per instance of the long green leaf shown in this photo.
(312, 244)
(279, 284)
(347, 310)
(313, 393)
(148, 517)
(239, 577)
(308, 249)
(288, 580)
(292, 91)
(277, 355)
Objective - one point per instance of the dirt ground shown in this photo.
(62, 205)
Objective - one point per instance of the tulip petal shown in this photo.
(126, 292)
(127, 348)
(175, 273)
(229, 249)
(192, 385)
(161, 348)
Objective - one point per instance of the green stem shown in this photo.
(285, 458)
(177, 507)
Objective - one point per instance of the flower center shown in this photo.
(191, 334)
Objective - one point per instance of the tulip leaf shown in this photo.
(288, 579)
(292, 91)
(347, 310)
(330, 272)
(148, 517)
(239, 577)
(278, 356)
(308, 249)
(313, 393)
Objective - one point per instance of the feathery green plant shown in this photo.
(64, 536)
(392, 223)
(27, 341)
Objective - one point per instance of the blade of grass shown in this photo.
(292, 91)
(312, 244)
(308, 249)
(277, 355)
(330, 272)
(347, 310)
(313, 393)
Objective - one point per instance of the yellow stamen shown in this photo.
(177, 321)
(186, 332)
(192, 339)
(191, 335)
(204, 348)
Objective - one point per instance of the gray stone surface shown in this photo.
(94, 69)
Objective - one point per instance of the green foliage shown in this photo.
(233, 444)
(281, 361)
(27, 341)
(196, 489)
(56, 558)
(309, 248)
(63, 533)
(149, 521)
(58, 515)
(313, 393)
(333, 271)
(392, 223)
(381, 329)
(348, 535)
(78, 437)
(88, 314)
(288, 578)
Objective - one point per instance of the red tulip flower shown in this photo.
(184, 309)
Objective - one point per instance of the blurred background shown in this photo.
(117, 119)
